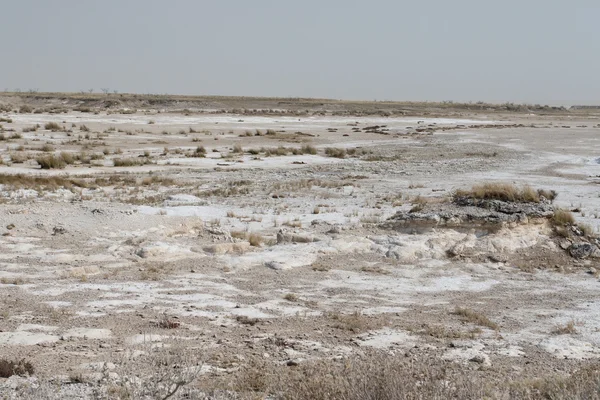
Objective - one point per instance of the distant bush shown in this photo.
(51, 162)
(335, 152)
(200, 152)
(126, 162)
(308, 149)
(33, 128)
(53, 126)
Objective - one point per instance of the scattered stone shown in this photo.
(581, 250)
(292, 363)
(58, 230)
(276, 265)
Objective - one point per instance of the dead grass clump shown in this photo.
(355, 322)
(280, 151)
(9, 368)
(320, 267)
(47, 148)
(68, 158)
(566, 329)
(255, 239)
(418, 203)
(21, 181)
(158, 180)
(244, 320)
(199, 152)
(375, 376)
(155, 272)
(562, 218)
(308, 149)
(51, 162)
(53, 126)
(237, 149)
(238, 235)
(501, 191)
(384, 376)
(19, 158)
(291, 297)
(167, 323)
(475, 318)
(33, 128)
(441, 332)
(335, 152)
(127, 162)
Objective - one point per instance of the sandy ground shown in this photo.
(287, 258)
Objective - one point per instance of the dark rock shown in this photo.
(581, 250)
(58, 230)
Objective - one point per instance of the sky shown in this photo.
(532, 51)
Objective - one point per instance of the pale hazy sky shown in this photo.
(539, 51)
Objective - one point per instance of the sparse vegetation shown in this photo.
(255, 239)
(474, 317)
(506, 192)
(51, 162)
(562, 218)
(291, 297)
(53, 126)
(9, 368)
(355, 322)
(127, 162)
(566, 329)
(335, 152)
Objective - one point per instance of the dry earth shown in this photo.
(217, 243)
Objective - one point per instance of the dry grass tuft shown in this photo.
(51, 162)
(127, 162)
(291, 297)
(566, 329)
(335, 152)
(355, 322)
(562, 218)
(255, 239)
(53, 126)
(475, 318)
(441, 332)
(244, 320)
(505, 192)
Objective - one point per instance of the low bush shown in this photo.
(53, 126)
(335, 152)
(51, 162)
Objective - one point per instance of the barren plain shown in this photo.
(272, 248)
